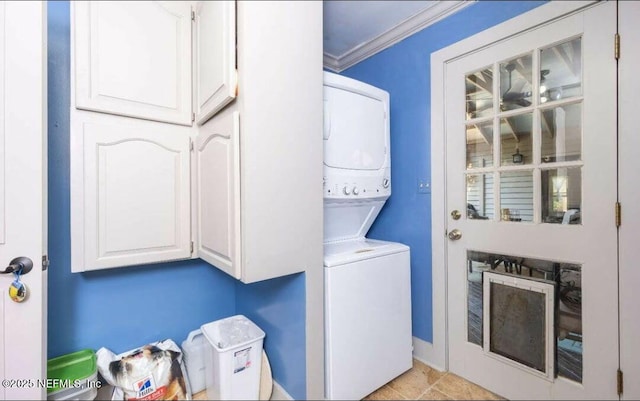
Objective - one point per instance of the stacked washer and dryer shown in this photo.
(368, 338)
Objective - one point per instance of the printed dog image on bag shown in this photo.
(134, 372)
(147, 373)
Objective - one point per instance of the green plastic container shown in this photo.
(78, 365)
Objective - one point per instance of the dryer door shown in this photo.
(356, 130)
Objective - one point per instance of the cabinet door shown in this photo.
(215, 58)
(218, 193)
(130, 192)
(133, 58)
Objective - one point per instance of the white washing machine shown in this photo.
(367, 317)
(368, 338)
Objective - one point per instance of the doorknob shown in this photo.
(455, 235)
(21, 265)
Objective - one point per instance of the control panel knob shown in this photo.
(355, 191)
(385, 183)
(346, 191)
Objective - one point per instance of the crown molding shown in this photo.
(406, 28)
(331, 62)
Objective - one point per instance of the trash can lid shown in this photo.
(234, 331)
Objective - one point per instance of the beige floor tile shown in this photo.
(430, 374)
(460, 389)
(433, 394)
(422, 383)
(384, 393)
(412, 383)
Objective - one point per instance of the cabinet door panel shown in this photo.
(134, 59)
(134, 197)
(215, 47)
(218, 193)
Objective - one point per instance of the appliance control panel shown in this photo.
(356, 187)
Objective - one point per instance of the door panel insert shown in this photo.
(534, 314)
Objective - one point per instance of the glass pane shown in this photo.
(479, 93)
(479, 145)
(568, 310)
(480, 196)
(562, 195)
(561, 129)
(569, 347)
(561, 71)
(477, 263)
(516, 140)
(516, 83)
(516, 196)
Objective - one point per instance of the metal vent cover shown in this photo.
(518, 322)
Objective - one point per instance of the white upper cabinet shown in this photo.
(218, 193)
(276, 211)
(242, 188)
(131, 197)
(133, 58)
(214, 38)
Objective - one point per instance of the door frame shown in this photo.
(629, 197)
(24, 327)
(437, 353)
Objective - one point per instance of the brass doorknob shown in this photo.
(455, 235)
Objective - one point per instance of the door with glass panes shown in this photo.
(531, 187)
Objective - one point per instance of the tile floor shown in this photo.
(425, 383)
(422, 383)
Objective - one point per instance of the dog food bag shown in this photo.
(152, 372)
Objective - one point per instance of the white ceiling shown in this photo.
(355, 30)
(348, 24)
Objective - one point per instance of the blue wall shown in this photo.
(278, 307)
(404, 71)
(124, 308)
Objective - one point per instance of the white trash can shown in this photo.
(233, 358)
(193, 355)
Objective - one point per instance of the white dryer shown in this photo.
(368, 338)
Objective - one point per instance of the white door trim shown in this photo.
(24, 132)
(629, 197)
(439, 59)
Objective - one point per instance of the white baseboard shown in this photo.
(425, 353)
(279, 393)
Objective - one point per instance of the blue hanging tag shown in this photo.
(17, 289)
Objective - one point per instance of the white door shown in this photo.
(214, 39)
(218, 192)
(131, 181)
(531, 188)
(23, 202)
(133, 58)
